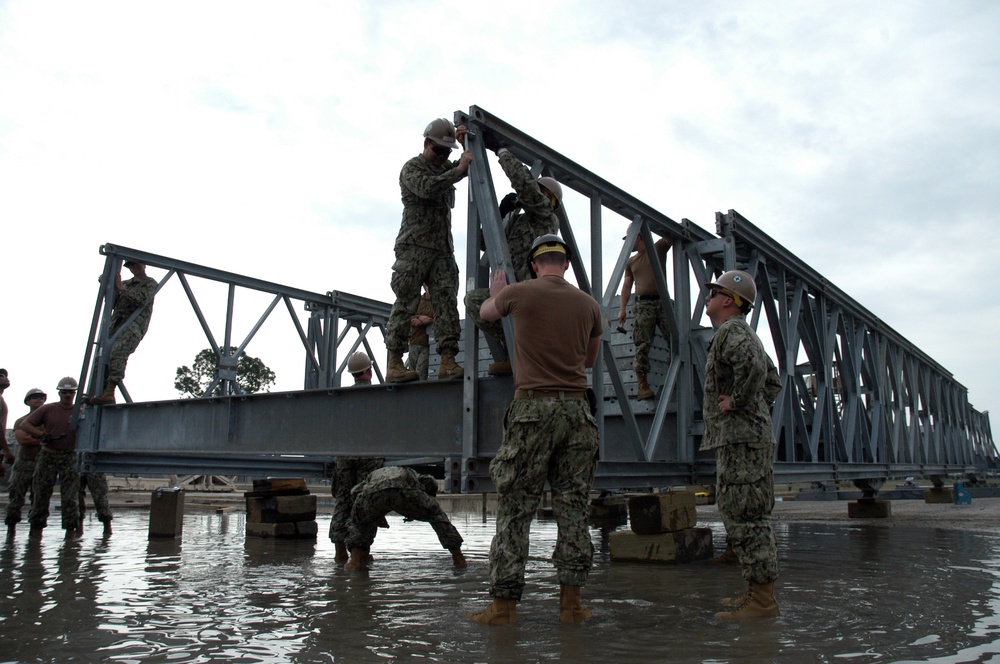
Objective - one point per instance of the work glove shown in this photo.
(508, 204)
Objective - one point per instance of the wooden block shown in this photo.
(279, 484)
(936, 496)
(281, 509)
(654, 513)
(869, 508)
(290, 530)
(683, 546)
(166, 513)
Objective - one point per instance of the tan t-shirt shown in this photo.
(554, 322)
(642, 271)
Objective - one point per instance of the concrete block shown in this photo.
(683, 546)
(869, 508)
(290, 530)
(937, 496)
(166, 513)
(668, 512)
(281, 509)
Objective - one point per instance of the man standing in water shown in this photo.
(549, 430)
(741, 383)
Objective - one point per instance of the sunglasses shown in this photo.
(715, 291)
(67, 391)
(441, 150)
(37, 396)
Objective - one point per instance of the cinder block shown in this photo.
(936, 496)
(869, 508)
(166, 513)
(683, 546)
(281, 509)
(667, 512)
(291, 530)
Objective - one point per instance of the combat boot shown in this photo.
(570, 609)
(758, 602)
(644, 391)
(341, 552)
(502, 611)
(727, 557)
(501, 368)
(458, 558)
(105, 397)
(448, 369)
(735, 600)
(397, 371)
(359, 559)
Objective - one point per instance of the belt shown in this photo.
(550, 394)
(647, 298)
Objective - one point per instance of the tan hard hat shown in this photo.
(33, 392)
(359, 362)
(738, 284)
(552, 186)
(442, 132)
(67, 383)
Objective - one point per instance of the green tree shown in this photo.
(252, 374)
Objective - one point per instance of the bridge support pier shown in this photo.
(869, 508)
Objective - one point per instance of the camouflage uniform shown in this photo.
(544, 439)
(649, 315)
(537, 219)
(744, 443)
(418, 358)
(20, 482)
(348, 473)
(425, 253)
(50, 464)
(98, 485)
(138, 293)
(396, 489)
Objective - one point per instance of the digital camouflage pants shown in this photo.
(413, 504)
(419, 360)
(544, 439)
(745, 497)
(348, 472)
(414, 267)
(52, 464)
(22, 475)
(124, 346)
(649, 316)
(98, 485)
(473, 304)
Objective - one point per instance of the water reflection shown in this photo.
(858, 593)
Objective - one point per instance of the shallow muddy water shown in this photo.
(848, 593)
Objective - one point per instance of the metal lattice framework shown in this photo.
(858, 402)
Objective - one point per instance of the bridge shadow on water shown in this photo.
(847, 592)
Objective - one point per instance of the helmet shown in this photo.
(32, 392)
(67, 383)
(545, 244)
(740, 285)
(553, 186)
(359, 362)
(441, 132)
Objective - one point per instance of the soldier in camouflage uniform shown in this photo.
(425, 250)
(540, 199)
(741, 383)
(24, 466)
(98, 485)
(649, 313)
(401, 490)
(51, 425)
(133, 294)
(350, 470)
(550, 433)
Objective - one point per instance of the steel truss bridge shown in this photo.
(858, 401)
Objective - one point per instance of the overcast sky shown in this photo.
(266, 138)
